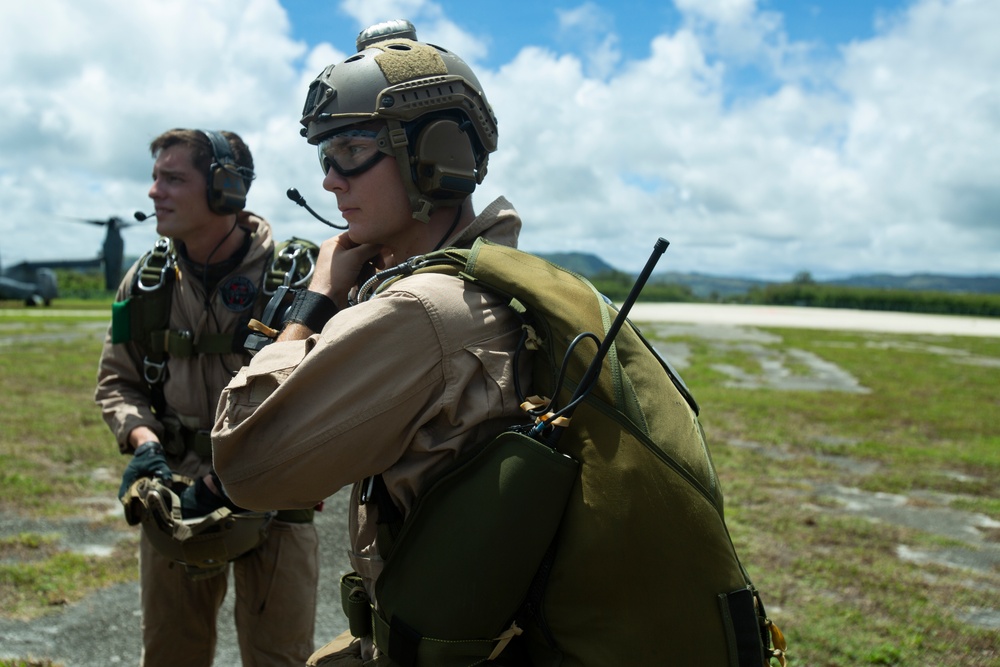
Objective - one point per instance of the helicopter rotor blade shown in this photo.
(113, 221)
(101, 223)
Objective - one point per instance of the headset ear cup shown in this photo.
(227, 183)
(227, 193)
(444, 162)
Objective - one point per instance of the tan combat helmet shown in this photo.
(441, 127)
(203, 544)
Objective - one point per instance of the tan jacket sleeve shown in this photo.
(121, 391)
(411, 375)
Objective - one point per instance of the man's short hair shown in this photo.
(202, 154)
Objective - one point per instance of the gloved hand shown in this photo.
(199, 500)
(148, 461)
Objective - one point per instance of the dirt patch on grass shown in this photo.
(103, 628)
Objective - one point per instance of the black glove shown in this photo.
(199, 500)
(148, 461)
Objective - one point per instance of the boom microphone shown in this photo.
(294, 195)
(140, 216)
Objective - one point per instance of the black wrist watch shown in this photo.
(310, 309)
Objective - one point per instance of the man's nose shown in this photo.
(333, 181)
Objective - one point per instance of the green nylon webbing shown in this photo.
(181, 345)
(362, 619)
(430, 651)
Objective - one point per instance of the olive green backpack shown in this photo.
(595, 537)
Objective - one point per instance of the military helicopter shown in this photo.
(35, 282)
(35, 286)
(113, 249)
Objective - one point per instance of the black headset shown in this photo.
(227, 181)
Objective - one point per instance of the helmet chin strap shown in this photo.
(422, 207)
(451, 229)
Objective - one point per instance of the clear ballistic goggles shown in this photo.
(355, 151)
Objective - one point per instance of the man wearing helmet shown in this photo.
(201, 286)
(391, 388)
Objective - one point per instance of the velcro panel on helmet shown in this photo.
(403, 60)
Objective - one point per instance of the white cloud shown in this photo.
(926, 121)
(589, 29)
(882, 159)
(885, 167)
(89, 85)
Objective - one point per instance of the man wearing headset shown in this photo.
(399, 384)
(161, 409)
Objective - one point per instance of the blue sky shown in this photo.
(520, 22)
(824, 26)
(761, 137)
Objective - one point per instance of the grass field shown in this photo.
(849, 461)
(922, 429)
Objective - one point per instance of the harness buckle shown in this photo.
(153, 372)
(160, 249)
(291, 255)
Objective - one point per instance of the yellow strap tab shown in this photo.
(778, 641)
(261, 328)
(550, 419)
(503, 640)
(532, 341)
(535, 403)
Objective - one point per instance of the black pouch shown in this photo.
(743, 629)
(468, 551)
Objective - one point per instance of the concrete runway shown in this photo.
(816, 318)
(742, 315)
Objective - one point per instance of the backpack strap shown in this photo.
(450, 261)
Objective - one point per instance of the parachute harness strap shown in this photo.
(156, 266)
(285, 268)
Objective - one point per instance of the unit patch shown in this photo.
(238, 293)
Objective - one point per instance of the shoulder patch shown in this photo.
(238, 293)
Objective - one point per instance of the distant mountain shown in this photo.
(702, 286)
(924, 282)
(579, 262)
(706, 286)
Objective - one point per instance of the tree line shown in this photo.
(870, 298)
(801, 291)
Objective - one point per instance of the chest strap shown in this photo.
(181, 344)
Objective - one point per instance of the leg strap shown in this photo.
(403, 644)
(356, 604)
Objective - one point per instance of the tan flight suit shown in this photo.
(275, 604)
(396, 385)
